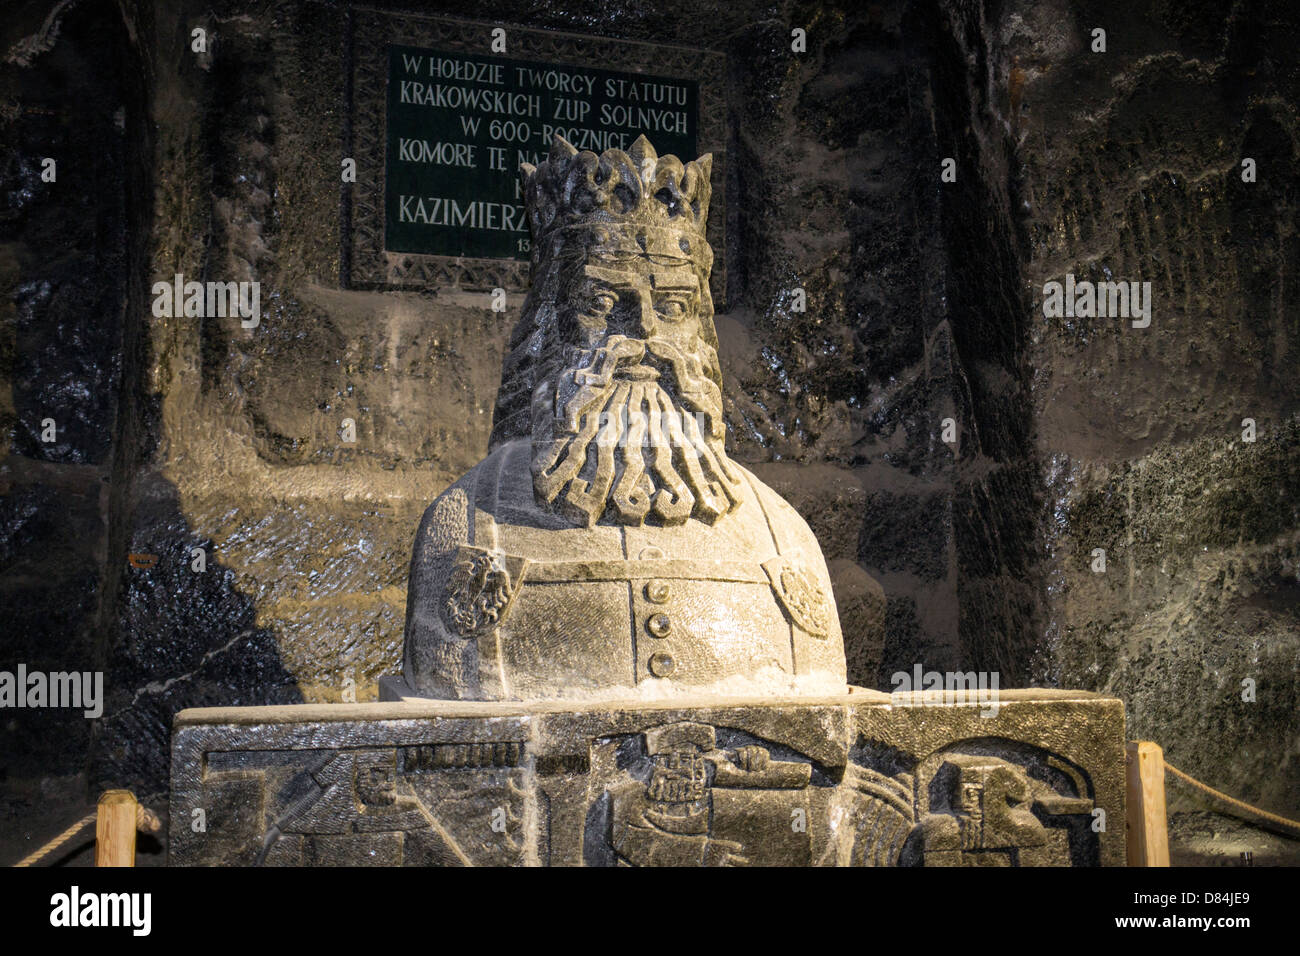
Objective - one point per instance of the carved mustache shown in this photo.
(590, 374)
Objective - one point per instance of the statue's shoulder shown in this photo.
(502, 476)
(787, 524)
(446, 522)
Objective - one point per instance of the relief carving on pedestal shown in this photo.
(706, 806)
(981, 802)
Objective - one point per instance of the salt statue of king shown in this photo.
(650, 629)
(607, 547)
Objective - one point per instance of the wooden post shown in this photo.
(1146, 833)
(115, 829)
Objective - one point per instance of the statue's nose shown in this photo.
(643, 323)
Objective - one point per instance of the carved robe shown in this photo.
(509, 601)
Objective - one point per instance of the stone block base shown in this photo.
(861, 779)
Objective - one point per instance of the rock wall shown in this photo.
(69, 244)
(1128, 164)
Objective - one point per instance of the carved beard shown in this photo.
(604, 444)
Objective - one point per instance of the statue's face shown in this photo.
(376, 786)
(678, 777)
(627, 418)
(641, 300)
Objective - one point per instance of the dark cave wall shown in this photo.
(68, 260)
(998, 498)
(1128, 163)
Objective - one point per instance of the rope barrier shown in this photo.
(58, 841)
(1232, 801)
(146, 821)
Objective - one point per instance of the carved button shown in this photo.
(659, 625)
(650, 554)
(661, 664)
(658, 592)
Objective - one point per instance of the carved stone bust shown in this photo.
(607, 546)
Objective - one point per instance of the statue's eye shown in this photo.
(672, 308)
(600, 303)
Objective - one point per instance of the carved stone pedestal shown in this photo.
(861, 779)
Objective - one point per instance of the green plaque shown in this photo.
(459, 125)
(438, 119)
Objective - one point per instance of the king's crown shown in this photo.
(638, 187)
